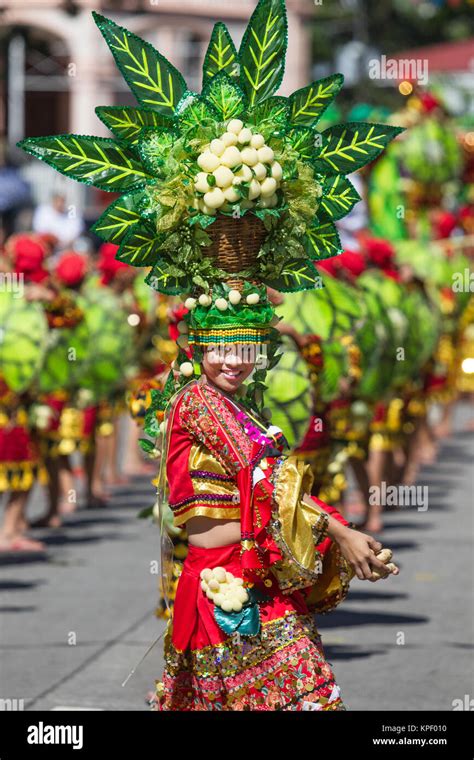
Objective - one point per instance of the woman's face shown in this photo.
(227, 366)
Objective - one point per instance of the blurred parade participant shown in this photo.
(24, 329)
(54, 218)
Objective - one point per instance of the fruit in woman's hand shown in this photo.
(220, 574)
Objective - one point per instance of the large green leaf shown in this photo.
(96, 161)
(162, 279)
(347, 147)
(140, 247)
(126, 123)
(262, 51)
(194, 111)
(298, 274)
(118, 218)
(339, 196)
(322, 241)
(221, 54)
(151, 78)
(309, 103)
(225, 96)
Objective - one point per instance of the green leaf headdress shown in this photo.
(226, 191)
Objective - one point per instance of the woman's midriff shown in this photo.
(209, 533)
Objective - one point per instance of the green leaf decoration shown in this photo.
(151, 78)
(322, 241)
(204, 220)
(347, 147)
(309, 103)
(154, 150)
(96, 161)
(298, 274)
(126, 122)
(162, 279)
(140, 247)
(305, 141)
(272, 114)
(339, 196)
(194, 111)
(118, 219)
(224, 96)
(146, 445)
(262, 51)
(221, 54)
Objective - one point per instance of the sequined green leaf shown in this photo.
(347, 147)
(118, 219)
(322, 241)
(221, 54)
(194, 111)
(225, 96)
(339, 196)
(96, 161)
(151, 78)
(162, 279)
(262, 51)
(140, 247)
(309, 103)
(298, 274)
(270, 116)
(305, 141)
(126, 123)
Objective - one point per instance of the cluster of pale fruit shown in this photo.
(238, 156)
(224, 589)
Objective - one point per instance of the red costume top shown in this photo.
(221, 465)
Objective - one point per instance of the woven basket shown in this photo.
(235, 242)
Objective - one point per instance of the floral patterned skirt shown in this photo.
(282, 667)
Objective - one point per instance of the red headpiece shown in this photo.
(107, 264)
(27, 254)
(71, 268)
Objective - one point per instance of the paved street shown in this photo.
(76, 622)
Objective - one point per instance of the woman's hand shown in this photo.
(360, 550)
